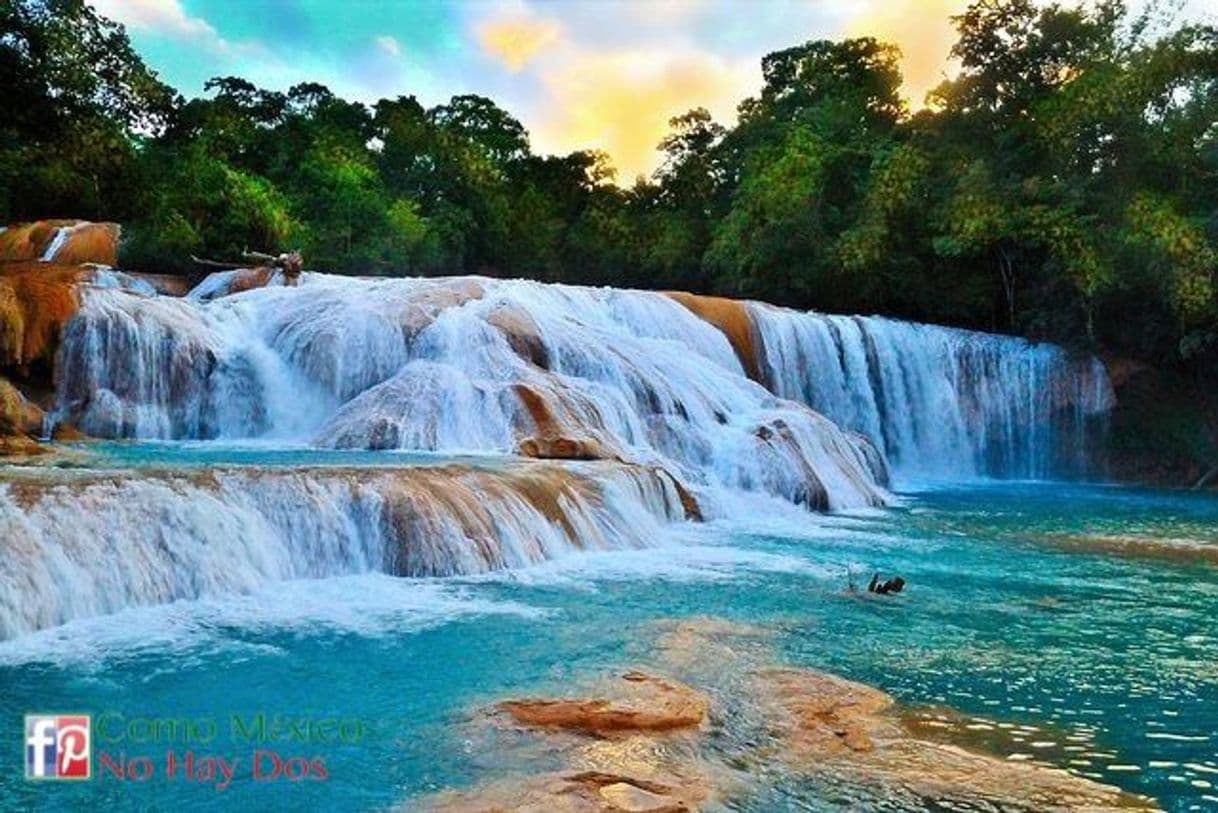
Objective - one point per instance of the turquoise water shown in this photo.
(205, 454)
(1108, 661)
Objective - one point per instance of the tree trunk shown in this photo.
(1006, 270)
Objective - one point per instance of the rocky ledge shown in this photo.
(643, 703)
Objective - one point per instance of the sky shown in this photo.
(579, 74)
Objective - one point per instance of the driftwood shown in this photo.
(291, 263)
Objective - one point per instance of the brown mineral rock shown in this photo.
(643, 703)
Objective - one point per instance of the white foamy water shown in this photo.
(369, 604)
(61, 237)
(939, 401)
(459, 365)
(491, 367)
(88, 544)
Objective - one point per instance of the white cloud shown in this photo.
(163, 17)
(388, 45)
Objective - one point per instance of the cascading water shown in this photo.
(461, 365)
(83, 544)
(653, 395)
(56, 243)
(938, 401)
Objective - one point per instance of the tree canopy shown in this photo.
(1063, 184)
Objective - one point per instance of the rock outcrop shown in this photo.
(20, 423)
(35, 304)
(731, 316)
(639, 742)
(642, 702)
(63, 242)
(577, 792)
(17, 415)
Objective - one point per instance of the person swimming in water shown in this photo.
(894, 585)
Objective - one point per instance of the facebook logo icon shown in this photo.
(57, 746)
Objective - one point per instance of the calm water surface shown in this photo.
(1068, 624)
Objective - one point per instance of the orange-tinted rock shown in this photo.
(90, 243)
(689, 503)
(851, 733)
(247, 279)
(1135, 546)
(164, 284)
(85, 242)
(64, 431)
(732, 318)
(28, 241)
(17, 415)
(556, 425)
(559, 448)
(522, 334)
(641, 702)
(20, 446)
(34, 306)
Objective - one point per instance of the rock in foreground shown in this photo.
(644, 703)
(578, 792)
(848, 732)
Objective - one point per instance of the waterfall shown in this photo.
(938, 401)
(88, 543)
(61, 237)
(455, 365)
(654, 408)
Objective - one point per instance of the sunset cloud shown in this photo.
(922, 29)
(621, 102)
(579, 74)
(515, 41)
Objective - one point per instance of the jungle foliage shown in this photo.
(1063, 184)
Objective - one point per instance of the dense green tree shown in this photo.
(76, 97)
(1063, 183)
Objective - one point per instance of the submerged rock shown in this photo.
(642, 702)
(833, 727)
(639, 743)
(1200, 550)
(576, 792)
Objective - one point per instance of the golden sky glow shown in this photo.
(515, 41)
(621, 102)
(579, 74)
(923, 31)
(619, 99)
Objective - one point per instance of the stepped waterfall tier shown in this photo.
(939, 401)
(185, 535)
(455, 492)
(458, 365)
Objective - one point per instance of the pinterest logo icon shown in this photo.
(57, 746)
